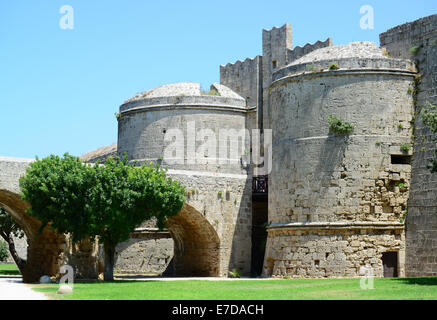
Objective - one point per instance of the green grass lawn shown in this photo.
(302, 289)
(9, 270)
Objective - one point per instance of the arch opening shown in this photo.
(44, 249)
(196, 244)
(15, 241)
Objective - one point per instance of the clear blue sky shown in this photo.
(59, 88)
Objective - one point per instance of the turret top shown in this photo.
(181, 89)
(185, 94)
(362, 50)
(354, 56)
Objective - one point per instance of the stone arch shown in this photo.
(44, 250)
(47, 250)
(196, 244)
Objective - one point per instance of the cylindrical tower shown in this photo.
(200, 137)
(170, 123)
(341, 119)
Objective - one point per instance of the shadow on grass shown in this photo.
(9, 270)
(427, 281)
(10, 273)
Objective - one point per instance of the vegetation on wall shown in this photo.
(429, 118)
(405, 147)
(235, 273)
(415, 90)
(402, 185)
(414, 50)
(403, 216)
(385, 53)
(211, 92)
(339, 126)
(334, 66)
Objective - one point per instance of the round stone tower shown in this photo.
(200, 138)
(337, 198)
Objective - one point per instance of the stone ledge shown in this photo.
(337, 225)
(150, 230)
(294, 77)
(350, 136)
(198, 173)
(198, 106)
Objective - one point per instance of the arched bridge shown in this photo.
(211, 233)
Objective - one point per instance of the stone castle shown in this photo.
(331, 203)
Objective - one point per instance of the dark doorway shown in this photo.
(259, 223)
(400, 159)
(390, 264)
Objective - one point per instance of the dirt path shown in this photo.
(11, 288)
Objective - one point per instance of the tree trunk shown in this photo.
(109, 248)
(18, 261)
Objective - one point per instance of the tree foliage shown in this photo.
(4, 252)
(107, 201)
(8, 227)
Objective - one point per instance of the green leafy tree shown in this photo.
(108, 201)
(8, 230)
(4, 252)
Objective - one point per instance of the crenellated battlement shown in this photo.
(400, 39)
(420, 27)
(252, 77)
(275, 43)
(239, 62)
(273, 29)
(299, 52)
(244, 78)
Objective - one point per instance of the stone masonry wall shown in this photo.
(146, 252)
(224, 202)
(245, 78)
(141, 135)
(20, 247)
(212, 234)
(421, 221)
(322, 177)
(217, 236)
(330, 195)
(320, 253)
(275, 44)
(297, 52)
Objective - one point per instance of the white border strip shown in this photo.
(11, 159)
(207, 174)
